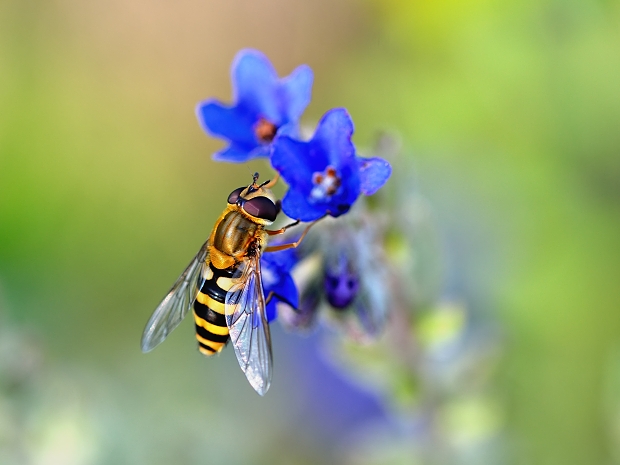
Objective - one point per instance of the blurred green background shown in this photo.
(510, 112)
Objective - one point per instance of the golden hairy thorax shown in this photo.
(232, 234)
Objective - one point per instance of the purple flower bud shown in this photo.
(341, 283)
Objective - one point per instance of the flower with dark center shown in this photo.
(265, 131)
(324, 174)
(265, 106)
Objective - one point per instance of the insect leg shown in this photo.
(270, 184)
(292, 245)
(282, 230)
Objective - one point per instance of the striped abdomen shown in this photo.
(211, 329)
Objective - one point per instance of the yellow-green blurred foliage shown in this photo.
(509, 110)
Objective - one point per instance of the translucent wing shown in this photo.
(248, 326)
(171, 311)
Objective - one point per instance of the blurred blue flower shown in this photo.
(354, 278)
(265, 105)
(344, 277)
(341, 281)
(324, 174)
(276, 276)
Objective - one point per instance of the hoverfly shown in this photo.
(223, 285)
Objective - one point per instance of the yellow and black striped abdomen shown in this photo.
(209, 315)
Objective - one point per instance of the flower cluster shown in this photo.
(325, 175)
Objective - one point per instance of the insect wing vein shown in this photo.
(248, 326)
(173, 308)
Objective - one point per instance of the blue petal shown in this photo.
(374, 172)
(337, 208)
(231, 155)
(350, 188)
(286, 292)
(334, 133)
(271, 310)
(282, 261)
(255, 83)
(290, 158)
(234, 154)
(297, 91)
(232, 123)
(295, 205)
(290, 130)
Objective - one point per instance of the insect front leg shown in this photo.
(275, 232)
(292, 245)
(270, 184)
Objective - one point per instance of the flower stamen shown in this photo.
(326, 184)
(265, 131)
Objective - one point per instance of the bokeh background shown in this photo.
(509, 114)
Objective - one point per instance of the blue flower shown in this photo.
(265, 105)
(276, 276)
(324, 174)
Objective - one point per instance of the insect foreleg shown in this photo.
(292, 245)
(275, 232)
(270, 184)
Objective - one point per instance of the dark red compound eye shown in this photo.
(261, 207)
(234, 195)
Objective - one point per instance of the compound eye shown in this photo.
(234, 195)
(261, 207)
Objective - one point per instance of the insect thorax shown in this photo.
(234, 233)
